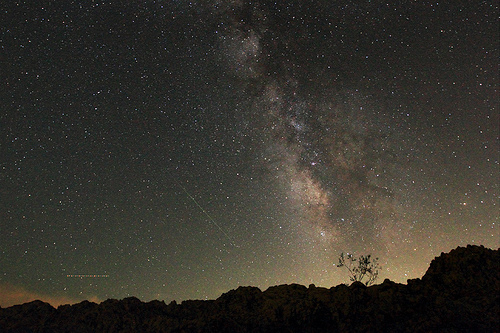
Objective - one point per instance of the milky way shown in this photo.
(330, 151)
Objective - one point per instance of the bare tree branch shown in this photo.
(360, 268)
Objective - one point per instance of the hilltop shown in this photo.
(460, 292)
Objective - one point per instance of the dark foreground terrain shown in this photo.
(460, 292)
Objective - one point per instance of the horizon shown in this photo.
(55, 302)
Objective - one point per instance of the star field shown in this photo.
(179, 149)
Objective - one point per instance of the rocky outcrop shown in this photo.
(460, 292)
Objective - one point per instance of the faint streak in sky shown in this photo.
(206, 213)
(87, 275)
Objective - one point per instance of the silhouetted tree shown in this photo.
(363, 268)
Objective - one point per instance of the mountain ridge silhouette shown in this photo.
(460, 292)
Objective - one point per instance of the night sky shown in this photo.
(180, 149)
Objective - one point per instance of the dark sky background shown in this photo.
(180, 149)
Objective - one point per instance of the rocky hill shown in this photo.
(460, 292)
